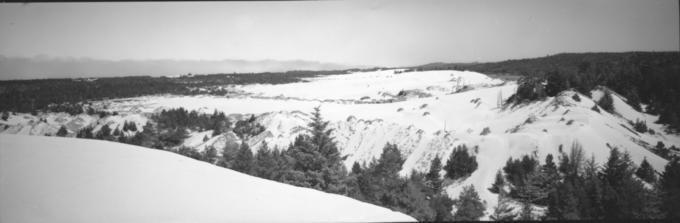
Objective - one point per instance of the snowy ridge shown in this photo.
(49, 123)
(135, 184)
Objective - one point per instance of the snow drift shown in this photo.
(53, 179)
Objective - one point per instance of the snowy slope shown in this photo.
(49, 123)
(53, 179)
(373, 84)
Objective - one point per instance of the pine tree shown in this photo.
(624, 196)
(105, 130)
(646, 172)
(442, 206)
(669, 185)
(116, 132)
(264, 162)
(433, 179)
(503, 211)
(563, 203)
(606, 102)
(244, 159)
(356, 168)
(210, 155)
(498, 184)
(469, 206)
(62, 131)
(460, 163)
(594, 190)
(133, 126)
(126, 126)
(316, 162)
(5, 115)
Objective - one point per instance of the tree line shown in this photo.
(578, 188)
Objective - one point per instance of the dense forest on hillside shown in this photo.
(652, 78)
(31, 95)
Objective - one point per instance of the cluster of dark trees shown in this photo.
(667, 153)
(578, 188)
(31, 95)
(244, 128)
(65, 94)
(180, 118)
(106, 133)
(641, 77)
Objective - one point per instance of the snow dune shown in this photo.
(53, 179)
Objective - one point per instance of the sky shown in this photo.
(381, 33)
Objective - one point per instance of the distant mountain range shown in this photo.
(55, 67)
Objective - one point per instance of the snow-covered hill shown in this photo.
(423, 127)
(54, 179)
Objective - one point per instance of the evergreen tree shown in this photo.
(105, 130)
(442, 206)
(503, 211)
(244, 159)
(433, 179)
(116, 132)
(625, 197)
(264, 162)
(606, 102)
(62, 131)
(594, 190)
(646, 172)
(669, 185)
(356, 168)
(469, 206)
(498, 184)
(563, 203)
(460, 163)
(126, 126)
(133, 126)
(210, 155)
(316, 161)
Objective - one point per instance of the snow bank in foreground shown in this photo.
(52, 179)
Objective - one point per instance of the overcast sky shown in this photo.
(387, 33)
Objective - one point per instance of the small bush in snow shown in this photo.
(423, 106)
(606, 102)
(485, 131)
(595, 108)
(571, 121)
(400, 109)
(426, 113)
(576, 98)
(460, 163)
(62, 131)
(640, 126)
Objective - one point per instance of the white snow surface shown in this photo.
(54, 179)
(372, 84)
